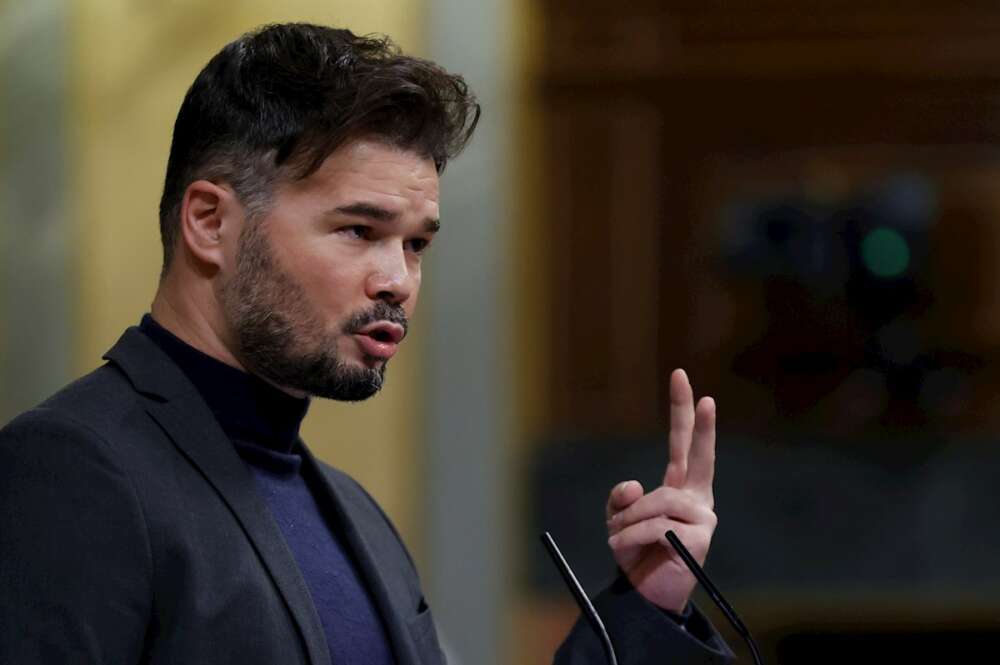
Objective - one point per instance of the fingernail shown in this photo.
(629, 482)
(612, 541)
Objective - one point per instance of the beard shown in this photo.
(281, 337)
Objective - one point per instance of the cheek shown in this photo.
(411, 303)
(322, 264)
(326, 284)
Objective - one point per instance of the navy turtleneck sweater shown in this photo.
(263, 424)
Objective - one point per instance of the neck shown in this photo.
(182, 310)
(249, 410)
(186, 318)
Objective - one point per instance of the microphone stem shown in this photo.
(586, 607)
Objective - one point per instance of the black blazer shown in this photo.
(131, 532)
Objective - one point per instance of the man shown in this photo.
(162, 509)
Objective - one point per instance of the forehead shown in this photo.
(369, 169)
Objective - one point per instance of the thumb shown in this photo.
(623, 495)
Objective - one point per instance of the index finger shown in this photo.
(681, 429)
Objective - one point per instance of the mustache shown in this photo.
(382, 311)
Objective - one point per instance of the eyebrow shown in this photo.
(380, 214)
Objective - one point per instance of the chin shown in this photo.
(371, 362)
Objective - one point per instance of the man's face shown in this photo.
(326, 281)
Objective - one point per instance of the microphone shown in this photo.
(581, 597)
(699, 573)
(714, 593)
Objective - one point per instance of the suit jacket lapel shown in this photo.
(180, 411)
(399, 635)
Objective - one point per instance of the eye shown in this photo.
(356, 231)
(418, 245)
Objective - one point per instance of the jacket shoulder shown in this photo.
(73, 536)
(98, 402)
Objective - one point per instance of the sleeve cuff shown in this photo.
(683, 618)
(643, 633)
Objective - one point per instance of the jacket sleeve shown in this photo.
(643, 634)
(75, 563)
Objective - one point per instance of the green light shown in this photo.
(885, 253)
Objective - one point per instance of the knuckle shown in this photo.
(659, 527)
(675, 499)
(682, 420)
(626, 537)
(662, 494)
(677, 469)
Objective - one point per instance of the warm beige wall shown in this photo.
(131, 64)
(530, 242)
(532, 623)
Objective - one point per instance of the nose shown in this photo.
(391, 279)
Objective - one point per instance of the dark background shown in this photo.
(797, 202)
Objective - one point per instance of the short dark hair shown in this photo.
(279, 100)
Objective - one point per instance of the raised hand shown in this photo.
(637, 521)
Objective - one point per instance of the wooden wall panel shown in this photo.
(643, 98)
(605, 244)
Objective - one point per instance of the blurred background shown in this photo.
(795, 201)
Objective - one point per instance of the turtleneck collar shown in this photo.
(249, 409)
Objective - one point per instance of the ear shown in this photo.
(211, 220)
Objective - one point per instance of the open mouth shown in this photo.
(380, 339)
(381, 336)
(384, 331)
